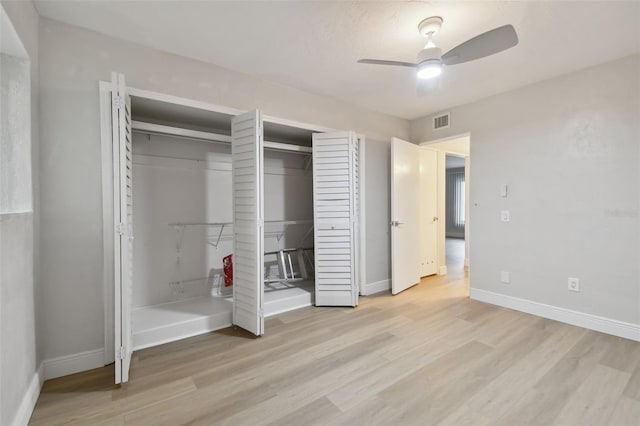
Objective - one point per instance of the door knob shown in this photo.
(435, 218)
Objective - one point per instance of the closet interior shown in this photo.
(182, 216)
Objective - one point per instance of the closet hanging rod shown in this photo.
(162, 130)
(201, 223)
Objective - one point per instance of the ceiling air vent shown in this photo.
(441, 121)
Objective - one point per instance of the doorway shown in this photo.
(451, 194)
(455, 216)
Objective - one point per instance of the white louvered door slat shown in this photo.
(248, 215)
(123, 226)
(335, 214)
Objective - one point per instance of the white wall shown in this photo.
(72, 61)
(19, 354)
(569, 149)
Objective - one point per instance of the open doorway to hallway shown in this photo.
(455, 212)
(445, 182)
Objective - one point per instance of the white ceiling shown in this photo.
(314, 45)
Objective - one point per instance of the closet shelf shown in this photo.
(162, 130)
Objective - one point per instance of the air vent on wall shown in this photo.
(441, 121)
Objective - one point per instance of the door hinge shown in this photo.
(120, 228)
(121, 352)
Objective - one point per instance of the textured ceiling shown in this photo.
(314, 45)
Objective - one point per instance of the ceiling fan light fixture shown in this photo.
(429, 69)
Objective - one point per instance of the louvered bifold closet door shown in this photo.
(335, 218)
(248, 211)
(123, 218)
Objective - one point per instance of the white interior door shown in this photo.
(248, 221)
(428, 212)
(335, 218)
(405, 215)
(123, 221)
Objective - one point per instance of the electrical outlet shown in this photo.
(573, 284)
(504, 277)
(505, 216)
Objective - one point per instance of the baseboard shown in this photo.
(75, 363)
(377, 287)
(466, 262)
(580, 319)
(29, 399)
(183, 330)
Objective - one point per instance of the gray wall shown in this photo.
(72, 61)
(19, 354)
(569, 149)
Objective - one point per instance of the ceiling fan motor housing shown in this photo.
(430, 54)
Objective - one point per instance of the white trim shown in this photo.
(466, 262)
(16, 213)
(107, 218)
(75, 363)
(29, 399)
(362, 210)
(580, 319)
(442, 270)
(377, 287)
(448, 138)
(181, 330)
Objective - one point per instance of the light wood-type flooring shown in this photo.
(427, 356)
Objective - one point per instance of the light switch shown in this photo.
(503, 190)
(505, 216)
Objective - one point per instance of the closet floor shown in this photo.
(158, 324)
(168, 322)
(279, 297)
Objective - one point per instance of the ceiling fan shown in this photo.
(430, 59)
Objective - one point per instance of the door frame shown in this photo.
(106, 137)
(441, 198)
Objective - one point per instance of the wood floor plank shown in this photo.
(588, 406)
(429, 355)
(632, 390)
(625, 413)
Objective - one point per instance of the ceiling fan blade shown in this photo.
(382, 62)
(485, 44)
